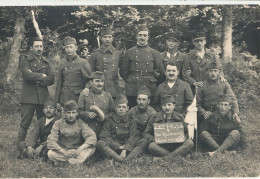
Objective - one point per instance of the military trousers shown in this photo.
(84, 153)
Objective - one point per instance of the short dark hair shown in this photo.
(171, 63)
(35, 39)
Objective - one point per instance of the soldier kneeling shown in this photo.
(166, 150)
(221, 132)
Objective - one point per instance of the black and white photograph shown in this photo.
(129, 89)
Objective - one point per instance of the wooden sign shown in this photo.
(171, 132)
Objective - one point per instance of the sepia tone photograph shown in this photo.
(129, 90)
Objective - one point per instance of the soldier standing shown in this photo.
(107, 59)
(141, 65)
(73, 74)
(37, 75)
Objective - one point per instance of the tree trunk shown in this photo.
(36, 26)
(19, 30)
(227, 33)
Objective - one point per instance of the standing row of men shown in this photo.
(123, 135)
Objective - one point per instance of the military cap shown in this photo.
(167, 99)
(171, 35)
(70, 105)
(106, 31)
(199, 35)
(120, 99)
(97, 75)
(49, 101)
(142, 27)
(69, 40)
(224, 98)
(213, 65)
(144, 90)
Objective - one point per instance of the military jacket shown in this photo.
(137, 69)
(72, 78)
(160, 118)
(178, 59)
(207, 96)
(107, 61)
(34, 89)
(70, 136)
(197, 65)
(103, 100)
(40, 132)
(119, 131)
(181, 92)
(141, 117)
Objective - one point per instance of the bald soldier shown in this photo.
(196, 62)
(107, 59)
(141, 65)
(73, 74)
(141, 114)
(172, 54)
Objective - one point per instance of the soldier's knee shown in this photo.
(189, 143)
(204, 134)
(152, 145)
(51, 154)
(235, 134)
(101, 145)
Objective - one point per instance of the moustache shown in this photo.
(213, 76)
(99, 86)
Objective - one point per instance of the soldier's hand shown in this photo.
(121, 147)
(156, 73)
(30, 151)
(206, 114)
(92, 115)
(236, 117)
(200, 84)
(85, 92)
(123, 154)
(188, 72)
(223, 79)
(38, 150)
(44, 75)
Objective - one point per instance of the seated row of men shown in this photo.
(123, 134)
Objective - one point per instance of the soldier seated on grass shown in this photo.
(119, 134)
(222, 132)
(167, 150)
(35, 144)
(71, 139)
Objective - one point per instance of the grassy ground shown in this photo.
(200, 165)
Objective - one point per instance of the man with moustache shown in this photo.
(172, 54)
(98, 103)
(175, 87)
(35, 144)
(73, 74)
(207, 95)
(141, 114)
(197, 61)
(141, 65)
(37, 75)
(107, 59)
(168, 150)
(71, 140)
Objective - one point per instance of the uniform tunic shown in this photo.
(197, 65)
(107, 61)
(35, 90)
(181, 92)
(207, 96)
(103, 100)
(177, 58)
(119, 131)
(72, 78)
(70, 136)
(137, 69)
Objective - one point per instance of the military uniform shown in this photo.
(107, 61)
(137, 69)
(77, 136)
(34, 89)
(72, 78)
(222, 132)
(181, 91)
(197, 65)
(101, 99)
(177, 58)
(166, 150)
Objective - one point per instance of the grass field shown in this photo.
(200, 165)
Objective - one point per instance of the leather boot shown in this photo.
(183, 150)
(108, 152)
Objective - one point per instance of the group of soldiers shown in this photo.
(111, 101)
